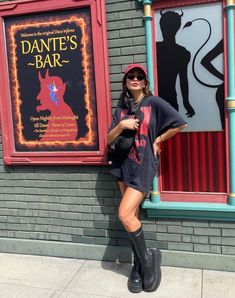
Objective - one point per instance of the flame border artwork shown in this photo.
(89, 138)
(21, 142)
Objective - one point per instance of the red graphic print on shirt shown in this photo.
(141, 135)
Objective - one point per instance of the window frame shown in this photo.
(181, 196)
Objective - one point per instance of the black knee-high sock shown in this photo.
(138, 242)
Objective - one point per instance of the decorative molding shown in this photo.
(230, 2)
(230, 104)
(114, 253)
(147, 11)
(184, 210)
(156, 193)
(145, 2)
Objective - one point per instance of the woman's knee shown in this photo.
(128, 209)
(121, 215)
(125, 217)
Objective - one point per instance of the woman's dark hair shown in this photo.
(125, 90)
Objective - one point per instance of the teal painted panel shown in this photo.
(183, 210)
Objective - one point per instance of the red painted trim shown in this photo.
(175, 3)
(203, 162)
(103, 102)
(221, 166)
(196, 165)
(195, 162)
(171, 164)
(189, 163)
(210, 168)
(178, 162)
(194, 197)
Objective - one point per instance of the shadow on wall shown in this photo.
(115, 237)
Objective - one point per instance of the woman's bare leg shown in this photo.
(135, 281)
(128, 209)
(149, 259)
(123, 187)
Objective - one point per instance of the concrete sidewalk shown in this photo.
(35, 276)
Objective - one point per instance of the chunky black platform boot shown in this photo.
(134, 283)
(150, 261)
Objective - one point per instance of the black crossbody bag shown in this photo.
(121, 146)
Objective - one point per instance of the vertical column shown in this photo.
(155, 195)
(230, 100)
(148, 34)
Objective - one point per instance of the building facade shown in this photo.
(70, 210)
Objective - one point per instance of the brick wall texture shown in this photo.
(79, 204)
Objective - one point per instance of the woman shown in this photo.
(153, 120)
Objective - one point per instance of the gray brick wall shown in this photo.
(126, 40)
(79, 204)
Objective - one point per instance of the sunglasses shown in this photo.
(139, 77)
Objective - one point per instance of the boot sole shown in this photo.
(135, 288)
(157, 261)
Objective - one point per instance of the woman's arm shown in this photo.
(114, 133)
(165, 136)
(131, 124)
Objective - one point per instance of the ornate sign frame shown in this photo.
(54, 86)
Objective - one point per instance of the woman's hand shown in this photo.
(129, 124)
(157, 146)
(167, 135)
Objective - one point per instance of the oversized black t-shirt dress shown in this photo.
(156, 116)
